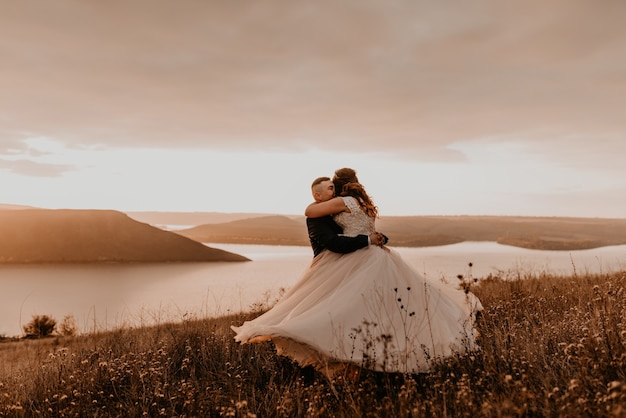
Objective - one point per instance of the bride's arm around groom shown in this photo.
(325, 234)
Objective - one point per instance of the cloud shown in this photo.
(607, 202)
(34, 169)
(403, 78)
(585, 153)
(12, 146)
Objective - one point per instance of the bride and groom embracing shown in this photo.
(359, 304)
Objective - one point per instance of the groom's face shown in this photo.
(326, 190)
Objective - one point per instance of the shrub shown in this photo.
(68, 326)
(40, 326)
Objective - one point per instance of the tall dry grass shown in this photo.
(551, 347)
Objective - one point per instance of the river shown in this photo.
(109, 296)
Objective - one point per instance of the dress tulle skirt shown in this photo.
(368, 308)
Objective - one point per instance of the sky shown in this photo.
(443, 108)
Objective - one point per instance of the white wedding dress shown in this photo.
(368, 308)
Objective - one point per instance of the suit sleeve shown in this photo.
(328, 237)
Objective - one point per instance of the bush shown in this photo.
(40, 326)
(68, 326)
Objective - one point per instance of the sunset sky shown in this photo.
(442, 107)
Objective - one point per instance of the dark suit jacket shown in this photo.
(323, 234)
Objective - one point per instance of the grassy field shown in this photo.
(551, 347)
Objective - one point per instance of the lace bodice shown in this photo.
(356, 222)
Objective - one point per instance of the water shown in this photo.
(114, 295)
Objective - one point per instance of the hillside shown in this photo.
(542, 233)
(6, 206)
(266, 230)
(87, 236)
(189, 218)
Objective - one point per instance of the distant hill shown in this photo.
(89, 236)
(5, 206)
(161, 219)
(266, 230)
(542, 233)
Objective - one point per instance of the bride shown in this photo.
(368, 308)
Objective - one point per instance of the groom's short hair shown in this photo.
(318, 181)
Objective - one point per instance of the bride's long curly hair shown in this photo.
(347, 184)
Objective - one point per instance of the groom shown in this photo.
(325, 234)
